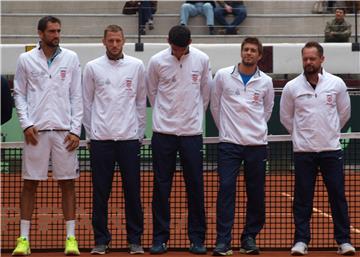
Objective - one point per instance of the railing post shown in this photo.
(356, 44)
(139, 46)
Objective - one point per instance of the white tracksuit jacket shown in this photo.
(314, 117)
(179, 91)
(114, 99)
(49, 97)
(241, 112)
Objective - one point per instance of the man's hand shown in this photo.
(31, 135)
(72, 142)
(228, 8)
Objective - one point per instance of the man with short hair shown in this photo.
(338, 30)
(114, 120)
(179, 92)
(241, 103)
(313, 108)
(47, 92)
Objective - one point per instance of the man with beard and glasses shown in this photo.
(313, 108)
(114, 119)
(241, 103)
(47, 92)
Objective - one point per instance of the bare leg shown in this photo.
(28, 198)
(68, 198)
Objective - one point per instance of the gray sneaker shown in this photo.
(100, 249)
(136, 249)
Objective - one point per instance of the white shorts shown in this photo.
(35, 159)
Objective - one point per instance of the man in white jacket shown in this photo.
(241, 103)
(313, 108)
(114, 120)
(178, 91)
(47, 91)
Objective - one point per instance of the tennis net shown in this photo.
(48, 229)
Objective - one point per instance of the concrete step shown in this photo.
(288, 27)
(198, 39)
(164, 7)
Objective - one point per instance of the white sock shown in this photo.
(70, 228)
(25, 228)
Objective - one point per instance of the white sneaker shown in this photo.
(346, 249)
(299, 249)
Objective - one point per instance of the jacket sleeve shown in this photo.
(76, 98)
(344, 34)
(206, 78)
(287, 109)
(141, 101)
(216, 92)
(20, 94)
(269, 100)
(152, 81)
(88, 98)
(343, 105)
(327, 30)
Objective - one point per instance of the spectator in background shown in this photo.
(194, 8)
(314, 107)
(352, 6)
(330, 6)
(146, 9)
(338, 30)
(236, 8)
(6, 101)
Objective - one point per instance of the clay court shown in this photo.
(48, 233)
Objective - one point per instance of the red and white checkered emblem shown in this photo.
(329, 99)
(62, 74)
(194, 77)
(128, 83)
(256, 97)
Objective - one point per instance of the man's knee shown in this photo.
(185, 7)
(208, 7)
(30, 186)
(68, 184)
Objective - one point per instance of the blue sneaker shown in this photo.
(248, 246)
(222, 249)
(197, 248)
(158, 248)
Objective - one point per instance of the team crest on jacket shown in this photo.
(329, 99)
(194, 77)
(256, 97)
(62, 74)
(128, 83)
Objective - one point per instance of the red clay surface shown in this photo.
(183, 253)
(47, 231)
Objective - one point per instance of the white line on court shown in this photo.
(324, 214)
